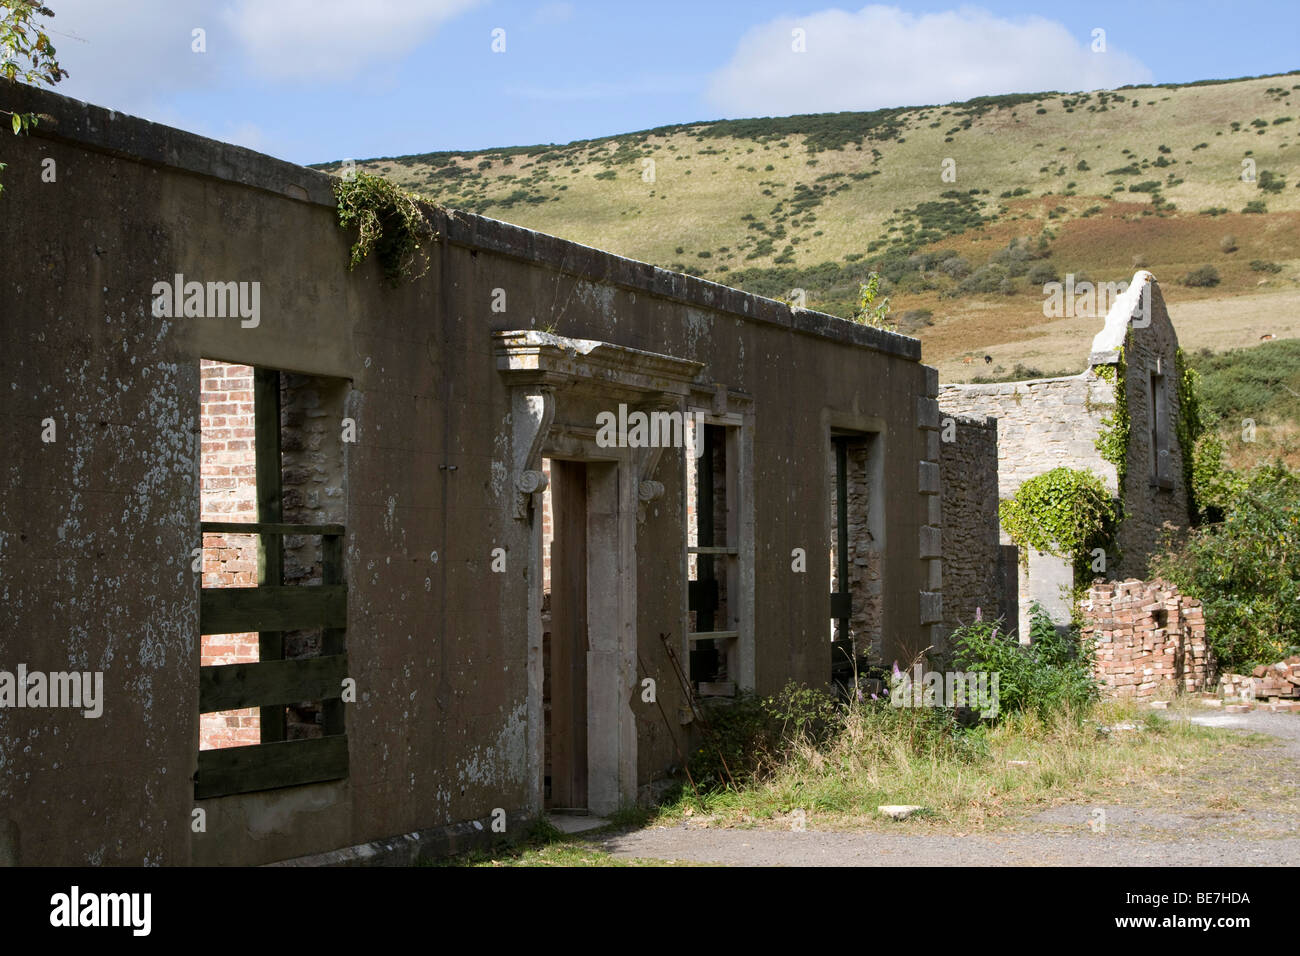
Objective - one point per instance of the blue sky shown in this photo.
(315, 80)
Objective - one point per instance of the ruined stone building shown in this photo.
(360, 569)
(1131, 383)
(368, 571)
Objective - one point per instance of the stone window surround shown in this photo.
(733, 411)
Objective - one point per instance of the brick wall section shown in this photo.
(1150, 640)
(968, 475)
(228, 492)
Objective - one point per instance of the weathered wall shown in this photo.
(1148, 506)
(969, 478)
(1042, 424)
(98, 526)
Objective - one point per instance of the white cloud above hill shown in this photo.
(882, 56)
(333, 39)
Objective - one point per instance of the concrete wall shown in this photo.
(97, 527)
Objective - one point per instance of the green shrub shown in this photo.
(1258, 382)
(1040, 273)
(1213, 483)
(1053, 673)
(986, 279)
(805, 714)
(1262, 265)
(1271, 182)
(1245, 569)
(743, 738)
(1204, 277)
(1255, 206)
(955, 266)
(751, 732)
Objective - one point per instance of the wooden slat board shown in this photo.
(235, 686)
(274, 609)
(270, 548)
(267, 527)
(333, 640)
(284, 763)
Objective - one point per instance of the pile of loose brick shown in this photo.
(1149, 639)
(1278, 684)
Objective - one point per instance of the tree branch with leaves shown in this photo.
(870, 312)
(26, 55)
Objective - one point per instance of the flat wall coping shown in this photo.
(1007, 388)
(64, 119)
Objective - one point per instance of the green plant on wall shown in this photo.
(869, 312)
(1189, 428)
(1066, 512)
(1113, 438)
(388, 222)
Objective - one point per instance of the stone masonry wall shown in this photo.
(1148, 508)
(1042, 424)
(864, 557)
(311, 492)
(1150, 640)
(968, 474)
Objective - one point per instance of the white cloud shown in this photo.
(334, 39)
(136, 61)
(127, 61)
(882, 56)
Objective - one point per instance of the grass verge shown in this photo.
(968, 780)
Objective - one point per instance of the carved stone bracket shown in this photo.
(647, 462)
(647, 492)
(532, 411)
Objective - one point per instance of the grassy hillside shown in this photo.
(1262, 385)
(1093, 184)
